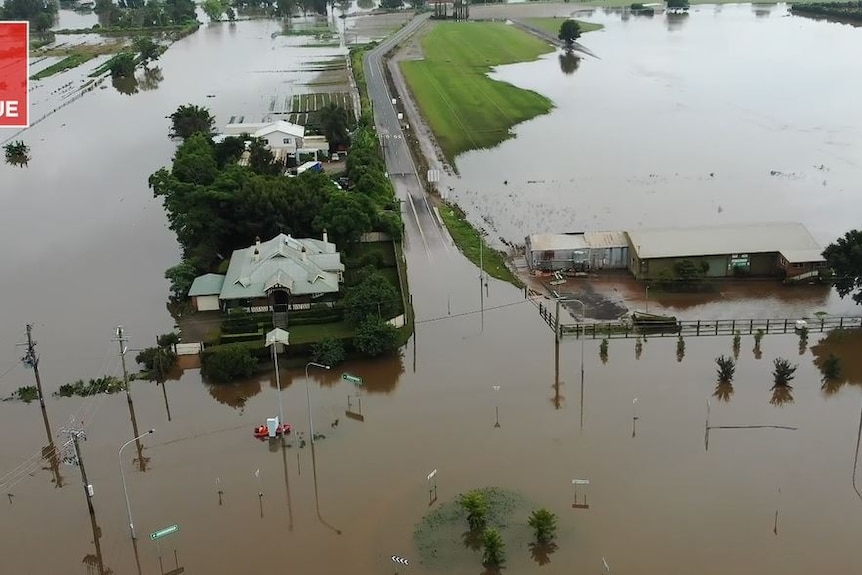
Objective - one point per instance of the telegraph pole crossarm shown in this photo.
(31, 360)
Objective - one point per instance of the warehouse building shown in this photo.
(578, 252)
(781, 249)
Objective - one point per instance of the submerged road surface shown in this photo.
(399, 163)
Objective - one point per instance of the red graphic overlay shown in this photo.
(14, 83)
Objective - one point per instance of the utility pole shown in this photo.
(121, 339)
(76, 435)
(31, 359)
(481, 281)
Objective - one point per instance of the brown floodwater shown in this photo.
(732, 114)
(90, 248)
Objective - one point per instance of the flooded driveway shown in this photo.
(659, 501)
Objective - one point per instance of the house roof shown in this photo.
(791, 237)
(557, 242)
(283, 127)
(280, 264)
(207, 284)
(803, 256)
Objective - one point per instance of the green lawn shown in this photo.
(466, 109)
(552, 25)
(468, 240)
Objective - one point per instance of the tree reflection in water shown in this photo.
(723, 391)
(127, 85)
(150, 79)
(569, 62)
(541, 552)
(781, 394)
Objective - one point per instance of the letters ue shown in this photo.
(14, 53)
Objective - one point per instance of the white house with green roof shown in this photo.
(278, 275)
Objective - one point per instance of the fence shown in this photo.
(700, 327)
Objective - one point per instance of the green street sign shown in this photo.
(164, 532)
(350, 378)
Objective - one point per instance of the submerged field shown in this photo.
(465, 108)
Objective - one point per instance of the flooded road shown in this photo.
(659, 501)
(730, 114)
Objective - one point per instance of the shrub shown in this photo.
(476, 505)
(375, 337)
(373, 296)
(157, 362)
(493, 553)
(328, 351)
(831, 369)
(239, 321)
(226, 363)
(544, 524)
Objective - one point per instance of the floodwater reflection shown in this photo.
(49, 452)
(127, 85)
(782, 394)
(845, 345)
(541, 552)
(723, 391)
(569, 62)
(675, 20)
(94, 562)
(316, 492)
(150, 78)
(235, 394)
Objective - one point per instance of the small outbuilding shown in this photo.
(552, 252)
(205, 291)
(778, 249)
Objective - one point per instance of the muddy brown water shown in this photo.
(659, 501)
(711, 121)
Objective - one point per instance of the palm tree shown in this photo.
(726, 368)
(494, 554)
(782, 375)
(544, 524)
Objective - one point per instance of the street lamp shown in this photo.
(123, 477)
(308, 395)
(274, 338)
(583, 335)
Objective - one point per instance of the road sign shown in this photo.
(155, 535)
(350, 378)
(431, 475)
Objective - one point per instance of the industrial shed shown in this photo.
(780, 249)
(577, 251)
(608, 250)
(551, 252)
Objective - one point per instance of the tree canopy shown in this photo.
(844, 257)
(190, 119)
(40, 13)
(570, 31)
(214, 205)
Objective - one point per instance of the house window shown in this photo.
(782, 262)
(798, 266)
(820, 265)
(285, 141)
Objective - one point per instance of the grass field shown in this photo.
(66, 63)
(468, 240)
(464, 107)
(552, 25)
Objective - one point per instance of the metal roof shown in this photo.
(803, 256)
(725, 239)
(281, 126)
(207, 284)
(280, 264)
(557, 242)
(601, 240)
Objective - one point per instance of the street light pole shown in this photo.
(308, 396)
(123, 477)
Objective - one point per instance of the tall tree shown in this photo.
(191, 119)
(570, 31)
(148, 50)
(333, 123)
(844, 257)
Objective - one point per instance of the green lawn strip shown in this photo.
(66, 63)
(315, 332)
(464, 107)
(552, 25)
(467, 239)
